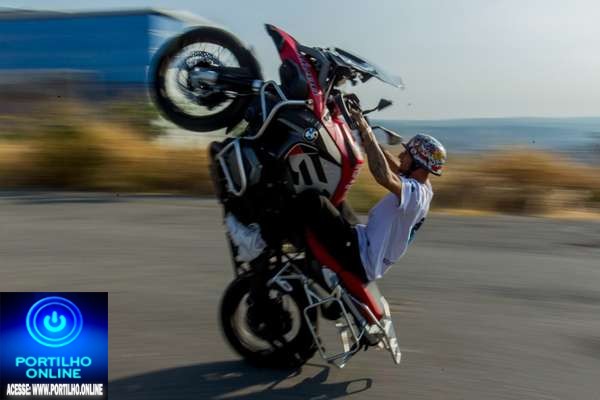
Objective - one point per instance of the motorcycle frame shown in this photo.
(235, 144)
(355, 328)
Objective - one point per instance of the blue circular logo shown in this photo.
(311, 134)
(54, 321)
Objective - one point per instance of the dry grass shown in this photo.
(78, 152)
(520, 181)
(511, 181)
(73, 148)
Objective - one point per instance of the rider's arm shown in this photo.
(376, 158)
(392, 161)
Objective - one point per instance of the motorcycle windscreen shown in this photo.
(368, 68)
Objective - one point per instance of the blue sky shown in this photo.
(460, 58)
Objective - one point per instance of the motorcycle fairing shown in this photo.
(300, 122)
(288, 50)
(334, 124)
(309, 170)
(351, 154)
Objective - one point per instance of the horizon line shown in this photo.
(486, 118)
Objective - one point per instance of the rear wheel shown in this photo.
(275, 336)
(207, 107)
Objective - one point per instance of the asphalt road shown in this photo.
(485, 308)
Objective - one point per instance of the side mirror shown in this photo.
(385, 136)
(383, 103)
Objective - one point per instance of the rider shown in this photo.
(369, 250)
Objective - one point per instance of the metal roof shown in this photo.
(16, 14)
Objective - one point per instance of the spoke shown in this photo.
(210, 48)
(219, 53)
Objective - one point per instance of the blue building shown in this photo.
(112, 47)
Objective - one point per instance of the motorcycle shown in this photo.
(299, 136)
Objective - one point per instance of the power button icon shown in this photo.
(54, 321)
(51, 326)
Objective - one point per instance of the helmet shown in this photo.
(427, 152)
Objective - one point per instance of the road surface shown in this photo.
(485, 308)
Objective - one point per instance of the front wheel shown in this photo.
(206, 107)
(274, 335)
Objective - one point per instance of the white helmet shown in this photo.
(427, 152)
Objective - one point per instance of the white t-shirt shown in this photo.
(391, 226)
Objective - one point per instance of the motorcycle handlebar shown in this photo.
(344, 102)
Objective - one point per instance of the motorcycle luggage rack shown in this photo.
(349, 336)
(235, 144)
(350, 332)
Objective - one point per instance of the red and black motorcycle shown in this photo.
(299, 136)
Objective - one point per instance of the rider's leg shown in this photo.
(332, 230)
(348, 213)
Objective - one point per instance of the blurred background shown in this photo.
(498, 298)
(515, 104)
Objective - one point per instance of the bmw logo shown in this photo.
(311, 134)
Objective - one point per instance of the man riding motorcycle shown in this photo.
(296, 247)
(369, 250)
